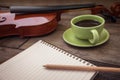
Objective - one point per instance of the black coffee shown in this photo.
(87, 23)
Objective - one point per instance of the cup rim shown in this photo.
(88, 26)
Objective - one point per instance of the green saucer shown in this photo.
(70, 38)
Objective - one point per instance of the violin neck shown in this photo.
(44, 9)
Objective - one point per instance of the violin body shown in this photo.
(30, 29)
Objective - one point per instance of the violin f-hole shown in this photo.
(3, 19)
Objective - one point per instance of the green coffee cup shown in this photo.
(90, 33)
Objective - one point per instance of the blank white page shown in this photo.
(28, 65)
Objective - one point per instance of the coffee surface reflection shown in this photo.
(87, 23)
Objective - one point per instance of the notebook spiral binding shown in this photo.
(65, 52)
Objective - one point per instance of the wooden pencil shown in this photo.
(81, 68)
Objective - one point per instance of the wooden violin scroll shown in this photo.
(115, 8)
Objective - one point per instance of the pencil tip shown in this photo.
(44, 65)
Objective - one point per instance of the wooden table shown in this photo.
(107, 54)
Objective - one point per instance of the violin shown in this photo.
(29, 21)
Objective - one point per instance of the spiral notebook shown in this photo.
(28, 65)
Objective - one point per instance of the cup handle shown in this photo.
(95, 38)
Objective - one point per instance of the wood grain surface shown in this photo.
(107, 54)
